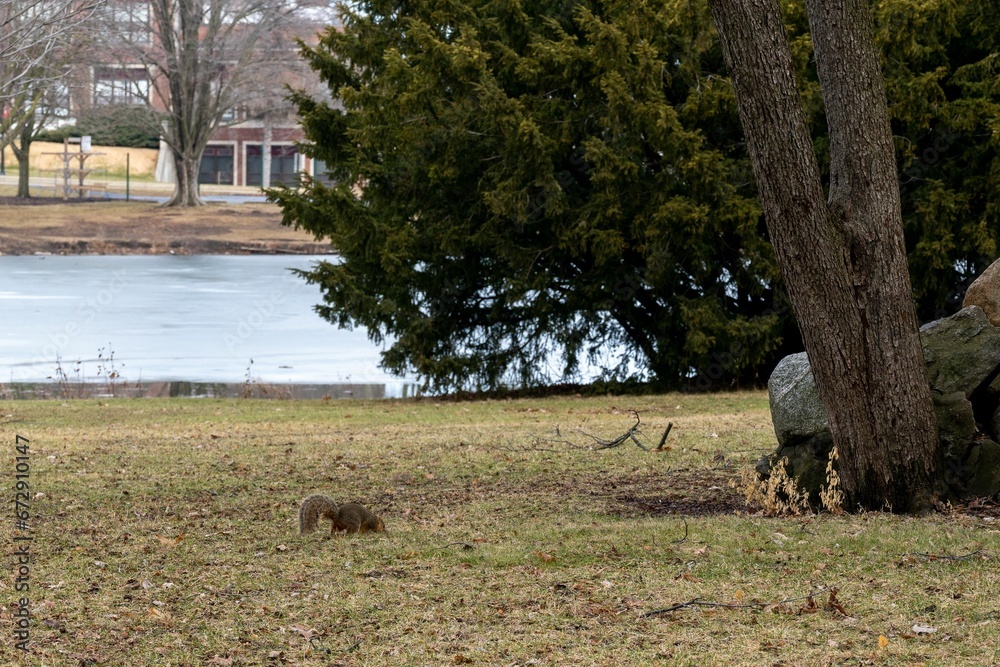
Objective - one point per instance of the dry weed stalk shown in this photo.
(776, 495)
(831, 496)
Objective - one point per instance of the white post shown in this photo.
(265, 167)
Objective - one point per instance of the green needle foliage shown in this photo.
(941, 70)
(520, 186)
(940, 66)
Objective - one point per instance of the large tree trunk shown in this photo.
(842, 257)
(186, 191)
(22, 151)
(23, 174)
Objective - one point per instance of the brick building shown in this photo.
(235, 156)
(235, 152)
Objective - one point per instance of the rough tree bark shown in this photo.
(21, 147)
(842, 256)
(186, 189)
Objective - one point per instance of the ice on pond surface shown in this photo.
(175, 318)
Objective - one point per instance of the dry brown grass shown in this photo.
(118, 227)
(165, 534)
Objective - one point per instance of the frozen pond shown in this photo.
(175, 318)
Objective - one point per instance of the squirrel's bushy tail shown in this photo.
(312, 509)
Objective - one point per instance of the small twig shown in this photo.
(698, 602)
(522, 450)
(972, 554)
(663, 440)
(313, 641)
(683, 539)
(536, 448)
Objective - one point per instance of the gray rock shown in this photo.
(984, 462)
(995, 424)
(956, 431)
(796, 410)
(985, 293)
(994, 388)
(961, 351)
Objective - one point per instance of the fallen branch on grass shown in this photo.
(832, 604)
(631, 434)
(628, 435)
(954, 559)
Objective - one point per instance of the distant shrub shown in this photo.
(112, 125)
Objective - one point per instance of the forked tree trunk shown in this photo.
(842, 256)
(186, 191)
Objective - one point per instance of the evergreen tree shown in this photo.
(940, 62)
(519, 185)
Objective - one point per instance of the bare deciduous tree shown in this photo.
(203, 61)
(36, 46)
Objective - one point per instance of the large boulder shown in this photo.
(804, 439)
(985, 293)
(983, 466)
(796, 410)
(995, 424)
(962, 353)
(957, 431)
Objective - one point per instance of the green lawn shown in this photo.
(165, 534)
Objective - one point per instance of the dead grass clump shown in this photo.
(778, 495)
(831, 496)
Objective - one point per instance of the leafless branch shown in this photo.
(30, 30)
(625, 437)
(833, 604)
(600, 443)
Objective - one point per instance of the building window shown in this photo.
(320, 173)
(130, 21)
(120, 85)
(216, 165)
(283, 167)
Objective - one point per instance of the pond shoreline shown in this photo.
(174, 247)
(56, 389)
(50, 226)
